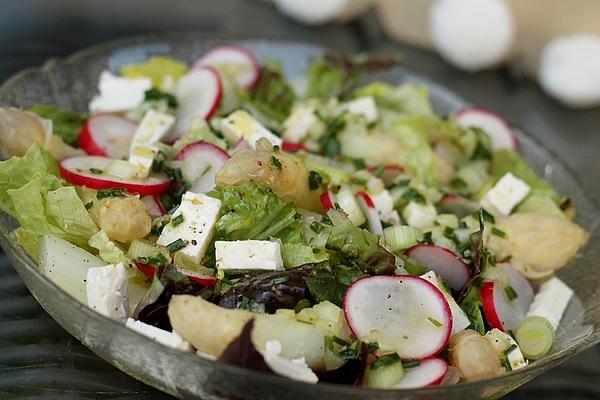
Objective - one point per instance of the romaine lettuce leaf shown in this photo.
(409, 98)
(271, 98)
(65, 123)
(296, 254)
(107, 249)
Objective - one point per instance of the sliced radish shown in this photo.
(389, 174)
(241, 144)
(78, 171)
(327, 200)
(505, 304)
(293, 147)
(402, 311)
(107, 135)
(149, 271)
(199, 162)
(499, 131)
(368, 208)
(458, 205)
(240, 62)
(198, 94)
(154, 206)
(429, 372)
(443, 262)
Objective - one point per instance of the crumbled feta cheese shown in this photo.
(240, 125)
(107, 291)
(384, 204)
(171, 339)
(419, 215)
(143, 148)
(200, 214)
(502, 342)
(118, 93)
(505, 195)
(296, 368)
(243, 255)
(460, 321)
(364, 106)
(297, 126)
(551, 301)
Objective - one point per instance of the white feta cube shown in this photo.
(297, 126)
(419, 215)
(119, 93)
(240, 125)
(107, 291)
(170, 339)
(460, 321)
(200, 213)
(551, 301)
(505, 195)
(244, 255)
(143, 148)
(502, 342)
(384, 204)
(364, 106)
(296, 368)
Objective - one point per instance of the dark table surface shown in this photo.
(38, 359)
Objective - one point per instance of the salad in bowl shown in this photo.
(316, 229)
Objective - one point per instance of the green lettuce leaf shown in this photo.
(329, 283)
(65, 123)
(406, 99)
(296, 254)
(252, 211)
(271, 98)
(199, 130)
(326, 80)
(107, 249)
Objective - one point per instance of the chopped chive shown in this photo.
(178, 220)
(510, 293)
(301, 305)
(316, 227)
(411, 363)
(413, 195)
(158, 259)
(176, 245)
(340, 341)
(487, 216)
(510, 349)
(96, 171)
(386, 360)
(379, 171)
(110, 192)
(506, 364)
(401, 183)
(435, 322)
(373, 347)
(427, 238)
(276, 163)
(359, 181)
(315, 180)
(89, 205)
(276, 148)
(352, 352)
(498, 232)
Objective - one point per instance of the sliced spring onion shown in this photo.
(402, 237)
(146, 250)
(384, 377)
(535, 337)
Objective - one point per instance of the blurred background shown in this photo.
(536, 62)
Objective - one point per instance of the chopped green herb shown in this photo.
(510, 349)
(340, 341)
(281, 279)
(359, 181)
(301, 305)
(158, 259)
(316, 227)
(458, 184)
(175, 173)
(155, 94)
(96, 171)
(427, 238)
(435, 322)
(413, 195)
(498, 232)
(450, 234)
(487, 216)
(352, 352)
(178, 220)
(510, 293)
(385, 361)
(276, 163)
(372, 347)
(157, 229)
(176, 245)
(379, 171)
(401, 183)
(315, 180)
(411, 364)
(506, 364)
(89, 205)
(276, 147)
(110, 192)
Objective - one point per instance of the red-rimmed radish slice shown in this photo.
(429, 372)
(149, 271)
(389, 174)
(199, 162)
(78, 171)
(243, 64)
(499, 131)
(458, 205)
(443, 262)
(505, 305)
(154, 206)
(327, 200)
(402, 311)
(198, 94)
(368, 208)
(107, 135)
(293, 147)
